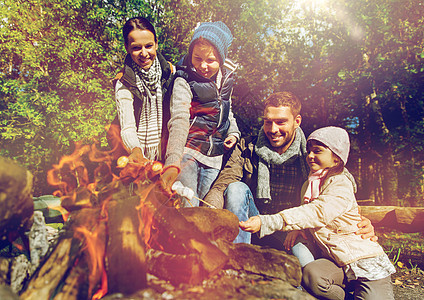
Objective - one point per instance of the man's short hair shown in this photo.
(284, 99)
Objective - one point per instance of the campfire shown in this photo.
(121, 227)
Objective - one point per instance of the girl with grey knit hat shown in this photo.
(202, 125)
(329, 214)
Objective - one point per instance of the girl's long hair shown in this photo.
(337, 169)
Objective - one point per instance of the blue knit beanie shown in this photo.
(217, 33)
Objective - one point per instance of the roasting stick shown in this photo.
(123, 161)
(197, 198)
(203, 202)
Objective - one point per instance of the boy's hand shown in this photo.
(168, 177)
(366, 230)
(229, 142)
(252, 225)
(291, 238)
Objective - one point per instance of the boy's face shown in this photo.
(205, 59)
(142, 47)
(280, 127)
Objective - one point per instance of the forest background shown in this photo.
(358, 64)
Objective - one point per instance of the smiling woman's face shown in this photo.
(142, 47)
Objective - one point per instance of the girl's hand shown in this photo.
(291, 238)
(252, 225)
(137, 156)
(230, 142)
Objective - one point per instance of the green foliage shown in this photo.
(54, 79)
(355, 64)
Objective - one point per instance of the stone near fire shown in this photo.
(261, 260)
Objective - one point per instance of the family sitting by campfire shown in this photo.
(295, 192)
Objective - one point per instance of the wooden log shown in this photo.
(214, 223)
(45, 282)
(176, 268)
(126, 262)
(16, 204)
(405, 219)
(174, 234)
(75, 285)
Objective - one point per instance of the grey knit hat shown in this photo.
(216, 33)
(335, 138)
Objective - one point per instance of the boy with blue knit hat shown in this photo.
(202, 125)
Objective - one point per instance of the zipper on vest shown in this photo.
(210, 145)
(219, 95)
(220, 105)
(192, 122)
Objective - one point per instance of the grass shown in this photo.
(404, 248)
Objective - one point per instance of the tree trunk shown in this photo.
(385, 148)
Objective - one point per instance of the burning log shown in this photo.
(214, 223)
(180, 251)
(75, 285)
(113, 237)
(126, 270)
(176, 268)
(405, 219)
(174, 234)
(47, 281)
(16, 204)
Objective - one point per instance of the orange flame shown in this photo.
(96, 248)
(75, 188)
(70, 172)
(64, 212)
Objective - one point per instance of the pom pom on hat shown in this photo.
(335, 138)
(217, 33)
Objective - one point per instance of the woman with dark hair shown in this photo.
(141, 93)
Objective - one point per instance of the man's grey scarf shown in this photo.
(150, 127)
(269, 156)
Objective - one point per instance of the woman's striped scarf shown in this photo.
(150, 126)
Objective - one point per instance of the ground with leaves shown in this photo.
(408, 283)
(406, 251)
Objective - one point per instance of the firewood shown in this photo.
(176, 268)
(16, 204)
(405, 219)
(126, 266)
(45, 282)
(214, 223)
(75, 285)
(174, 234)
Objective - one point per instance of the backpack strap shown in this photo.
(117, 77)
(171, 66)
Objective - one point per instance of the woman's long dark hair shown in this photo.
(137, 23)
